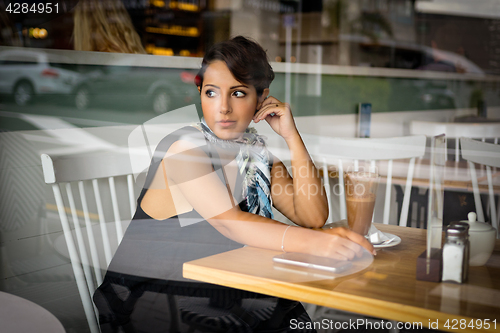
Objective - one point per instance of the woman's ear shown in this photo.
(262, 98)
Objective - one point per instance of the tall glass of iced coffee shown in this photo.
(360, 189)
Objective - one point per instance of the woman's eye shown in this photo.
(210, 93)
(239, 93)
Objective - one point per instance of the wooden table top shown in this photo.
(387, 289)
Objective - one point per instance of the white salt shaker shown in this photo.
(456, 253)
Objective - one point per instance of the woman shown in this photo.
(218, 179)
(234, 86)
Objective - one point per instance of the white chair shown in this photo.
(489, 155)
(481, 131)
(103, 173)
(83, 170)
(327, 151)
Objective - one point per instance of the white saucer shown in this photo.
(394, 242)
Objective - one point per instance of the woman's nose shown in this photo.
(225, 106)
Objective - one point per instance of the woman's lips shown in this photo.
(226, 123)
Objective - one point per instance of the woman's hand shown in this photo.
(279, 117)
(347, 244)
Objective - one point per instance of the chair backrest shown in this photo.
(96, 175)
(335, 150)
(489, 155)
(481, 131)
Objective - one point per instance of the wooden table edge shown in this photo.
(351, 303)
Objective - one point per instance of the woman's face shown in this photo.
(228, 105)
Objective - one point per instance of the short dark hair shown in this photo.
(246, 60)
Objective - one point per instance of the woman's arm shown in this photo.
(258, 231)
(301, 198)
(190, 172)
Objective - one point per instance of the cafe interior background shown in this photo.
(430, 60)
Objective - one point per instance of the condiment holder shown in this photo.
(482, 240)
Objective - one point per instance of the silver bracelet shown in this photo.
(283, 239)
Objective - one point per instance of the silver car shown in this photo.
(25, 74)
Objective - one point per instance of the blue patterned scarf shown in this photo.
(254, 165)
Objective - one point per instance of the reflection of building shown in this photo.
(174, 27)
(331, 31)
(38, 29)
(345, 32)
(258, 19)
(472, 34)
(382, 33)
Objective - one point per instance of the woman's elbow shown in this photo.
(315, 219)
(319, 214)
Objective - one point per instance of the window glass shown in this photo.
(79, 76)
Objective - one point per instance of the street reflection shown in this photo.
(36, 77)
(25, 75)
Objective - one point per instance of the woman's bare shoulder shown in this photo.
(188, 141)
(188, 157)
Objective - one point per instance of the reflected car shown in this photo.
(145, 88)
(432, 93)
(403, 55)
(26, 74)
